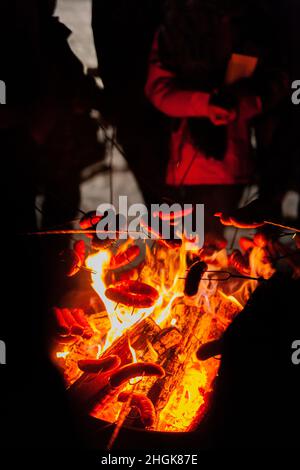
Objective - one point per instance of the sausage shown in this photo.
(172, 244)
(143, 404)
(210, 349)
(79, 248)
(193, 278)
(76, 264)
(133, 294)
(66, 339)
(236, 221)
(79, 316)
(62, 326)
(237, 261)
(131, 371)
(246, 243)
(90, 220)
(99, 244)
(215, 242)
(129, 275)
(260, 240)
(75, 328)
(99, 365)
(150, 230)
(125, 257)
(171, 216)
(74, 259)
(72, 262)
(72, 323)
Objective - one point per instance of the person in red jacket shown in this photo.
(190, 80)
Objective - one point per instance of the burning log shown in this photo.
(137, 336)
(89, 390)
(175, 361)
(168, 389)
(166, 340)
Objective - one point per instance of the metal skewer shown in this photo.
(228, 276)
(80, 232)
(284, 227)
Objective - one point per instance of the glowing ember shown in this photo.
(62, 355)
(169, 333)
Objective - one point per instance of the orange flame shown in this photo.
(189, 322)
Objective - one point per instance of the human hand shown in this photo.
(249, 216)
(220, 116)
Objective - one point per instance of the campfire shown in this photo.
(149, 353)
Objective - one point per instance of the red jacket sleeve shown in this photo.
(163, 93)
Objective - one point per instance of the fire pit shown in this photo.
(148, 355)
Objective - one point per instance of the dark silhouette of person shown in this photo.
(33, 407)
(256, 399)
(123, 34)
(210, 158)
(279, 150)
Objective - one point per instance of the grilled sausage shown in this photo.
(143, 404)
(99, 365)
(131, 371)
(193, 278)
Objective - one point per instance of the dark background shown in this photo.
(258, 392)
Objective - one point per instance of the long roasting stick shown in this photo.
(285, 227)
(122, 417)
(93, 231)
(79, 232)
